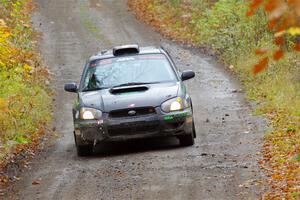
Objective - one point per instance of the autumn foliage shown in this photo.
(283, 17)
(238, 40)
(24, 98)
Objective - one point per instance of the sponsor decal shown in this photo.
(152, 57)
(125, 59)
(175, 116)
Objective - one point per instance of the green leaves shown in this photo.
(25, 104)
(298, 157)
(175, 2)
(295, 194)
(238, 40)
(21, 139)
(226, 28)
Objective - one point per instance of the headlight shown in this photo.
(174, 105)
(90, 113)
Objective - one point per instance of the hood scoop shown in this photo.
(120, 90)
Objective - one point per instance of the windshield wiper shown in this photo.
(94, 89)
(134, 83)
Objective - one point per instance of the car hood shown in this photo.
(107, 101)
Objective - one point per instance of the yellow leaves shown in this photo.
(281, 155)
(283, 19)
(4, 31)
(11, 56)
(5, 48)
(27, 68)
(8, 53)
(3, 105)
(294, 31)
(27, 71)
(2, 24)
(25, 105)
(3, 36)
(277, 176)
(281, 147)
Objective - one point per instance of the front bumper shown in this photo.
(126, 128)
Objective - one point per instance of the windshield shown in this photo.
(148, 68)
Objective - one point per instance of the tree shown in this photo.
(283, 16)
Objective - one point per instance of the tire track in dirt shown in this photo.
(222, 163)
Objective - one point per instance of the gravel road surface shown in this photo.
(221, 165)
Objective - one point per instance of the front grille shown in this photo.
(133, 128)
(138, 112)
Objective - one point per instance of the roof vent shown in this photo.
(127, 89)
(126, 49)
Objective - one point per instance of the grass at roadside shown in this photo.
(224, 28)
(25, 105)
(87, 22)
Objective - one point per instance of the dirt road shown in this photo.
(221, 165)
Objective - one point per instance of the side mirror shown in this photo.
(187, 74)
(71, 87)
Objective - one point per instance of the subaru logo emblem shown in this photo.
(132, 112)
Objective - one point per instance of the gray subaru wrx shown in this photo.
(131, 92)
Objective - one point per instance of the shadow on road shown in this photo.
(134, 146)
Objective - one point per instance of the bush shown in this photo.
(24, 100)
(226, 28)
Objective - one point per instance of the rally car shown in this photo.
(131, 92)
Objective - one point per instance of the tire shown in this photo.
(194, 130)
(187, 140)
(84, 150)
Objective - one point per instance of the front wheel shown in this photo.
(84, 150)
(194, 130)
(187, 140)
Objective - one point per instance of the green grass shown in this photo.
(87, 22)
(223, 27)
(25, 102)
